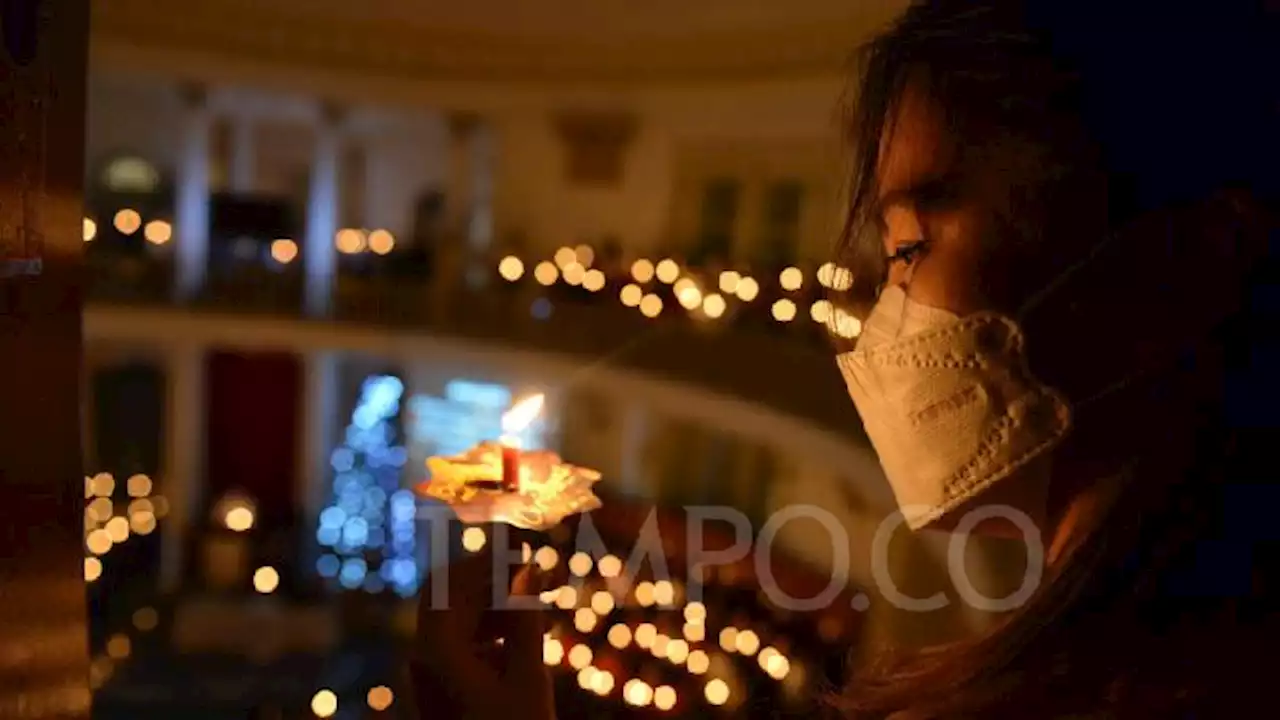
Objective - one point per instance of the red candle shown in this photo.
(514, 421)
(510, 468)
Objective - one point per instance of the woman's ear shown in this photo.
(1144, 293)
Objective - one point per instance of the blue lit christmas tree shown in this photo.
(369, 524)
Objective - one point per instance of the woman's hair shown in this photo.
(1164, 105)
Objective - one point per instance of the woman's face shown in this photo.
(961, 236)
(962, 217)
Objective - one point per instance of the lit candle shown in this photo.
(499, 482)
(514, 422)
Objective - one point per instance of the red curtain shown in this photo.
(253, 402)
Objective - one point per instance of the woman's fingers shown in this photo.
(458, 671)
(526, 674)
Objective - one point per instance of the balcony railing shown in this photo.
(746, 352)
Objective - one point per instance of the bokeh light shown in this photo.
(138, 486)
(380, 698)
(593, 280)
(651, 306)
(238, 519)
(349, 241)
(791, 279)
(631, 295)
(473, 539)
(324, 703)
(580, 564)
(284, 250)
(821, 311)
(127, 221)
(565, 257)
(579, 657)
(619, 636)
(146, 619)
(642, 271)
(381, 242)
(119, 647)
(784, 310)
(158, 232)
(266, 579)
(835, 277)
(552, 651)
(511, 268)
(717, 692)
(667, 271)
(714, 305)
(546, 273)
(92, 569)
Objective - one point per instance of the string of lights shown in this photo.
(106, 527)
(616, 637)
(574, 267)
(109, 524)
(695, 293)
(641, 643)
(158, 232)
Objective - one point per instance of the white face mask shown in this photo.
(948, 403)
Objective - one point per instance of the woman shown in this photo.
(1075, 199)
(1059, 226)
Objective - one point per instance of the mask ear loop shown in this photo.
(1029, 307)
(1057, 282)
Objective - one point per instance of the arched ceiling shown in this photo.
(510, 40)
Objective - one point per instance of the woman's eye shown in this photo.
(907, 253)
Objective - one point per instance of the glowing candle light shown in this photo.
(499, 481)
(514, 422)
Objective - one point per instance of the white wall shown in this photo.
(771, 130)
(405, 158)
(404, 150)
(132, 118)
(533, 197)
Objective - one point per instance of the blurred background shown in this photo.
(326, 240)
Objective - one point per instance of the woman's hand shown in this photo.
(458, 671)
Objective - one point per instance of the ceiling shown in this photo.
(599, 19)
(506, 40)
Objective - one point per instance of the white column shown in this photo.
(322, 424)
(242, 175)
(635, 441)
(184, 456)
(319, 256)
(191, 215)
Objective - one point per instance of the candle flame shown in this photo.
(522, 413)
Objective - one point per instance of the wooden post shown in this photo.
(43, 642)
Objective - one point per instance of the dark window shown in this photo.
(596, 147)
(128, 410)
(783, 205)
(720, 200)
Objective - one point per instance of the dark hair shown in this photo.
(1169, 100)
(1168, 104)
